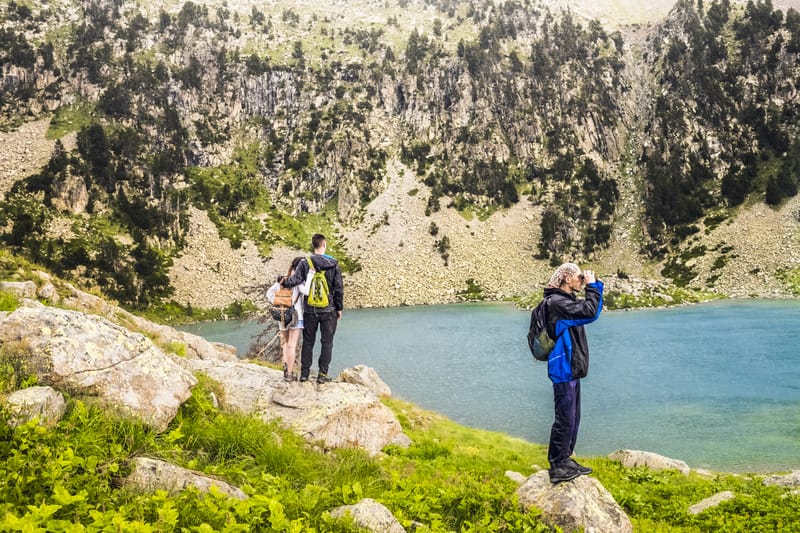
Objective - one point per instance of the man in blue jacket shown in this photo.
(566, 315)
(324, 319)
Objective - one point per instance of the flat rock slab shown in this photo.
(653, 461)
(152, 474)
(710, 502)
(336, 414)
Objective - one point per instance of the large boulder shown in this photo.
(582, 504)
(151, 475)
(43, 403)
(90, 356)
(337, 414)
(370, 515)
(653, 461)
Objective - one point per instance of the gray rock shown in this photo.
(370, 515)
(21, 289)
(338, 414)
(91, 356)
(402, 440)
(580, 503)
(367, 377)
(787, 480)
(48, 292)
(152, 474)
(196, 347)
(712, 501)
(653, 461)
(516, 477)
(44, 403)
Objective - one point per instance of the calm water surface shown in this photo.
(717, 385)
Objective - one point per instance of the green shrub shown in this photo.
(8, 301)
(791, 279)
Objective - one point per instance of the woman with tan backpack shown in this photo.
(287, 309)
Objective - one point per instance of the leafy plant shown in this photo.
(8, 301)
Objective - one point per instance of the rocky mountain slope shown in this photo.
(450, 150)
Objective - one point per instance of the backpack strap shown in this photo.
(546, 304)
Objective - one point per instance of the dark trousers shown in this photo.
(564, 433)
(326, 323)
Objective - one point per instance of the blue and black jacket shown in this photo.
(566, 315)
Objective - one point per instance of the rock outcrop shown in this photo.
(653, 461)
(370, 515)
(337, 414)
(151, 475)
(582, 504)
(43, 403)
(196, 347)
(366, 377)
(88, 355)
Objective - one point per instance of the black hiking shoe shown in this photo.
(584, 470)
(563, 472)
(289, 377)
(285, 372)
(303, 378)
(323, 378)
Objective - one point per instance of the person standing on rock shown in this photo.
(290, 335)
(566, 315)
(325, 319)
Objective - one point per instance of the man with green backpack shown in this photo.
(322, 308)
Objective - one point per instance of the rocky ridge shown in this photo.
(401, 266)
(393, 242)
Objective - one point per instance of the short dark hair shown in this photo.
(317, 240)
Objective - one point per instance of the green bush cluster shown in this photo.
(660, 297)
(473, 292)
(791, 278)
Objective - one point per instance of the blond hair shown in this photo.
(560, 275)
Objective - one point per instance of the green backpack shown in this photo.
(318, 292)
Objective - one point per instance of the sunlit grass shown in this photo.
(70, 118)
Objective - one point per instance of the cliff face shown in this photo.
(471, 145)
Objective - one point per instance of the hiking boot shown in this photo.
(563, 472)
(285, 372)
(303, 378)
(584, 470)
(323, 378)
(289, 377)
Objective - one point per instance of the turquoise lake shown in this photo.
(716, 385)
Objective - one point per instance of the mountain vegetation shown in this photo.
(254, 115)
